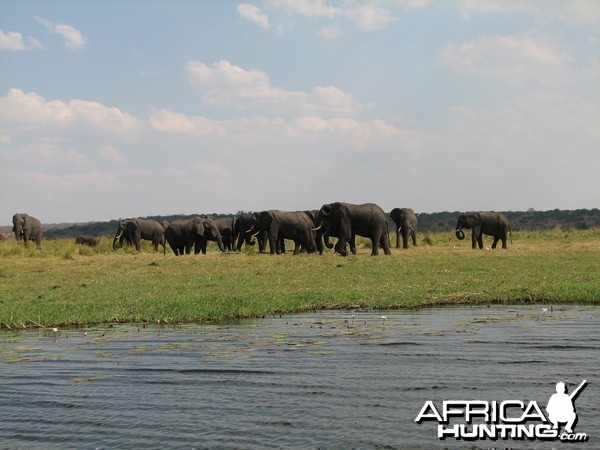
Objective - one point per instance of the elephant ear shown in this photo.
(472, 219)
(396, 215)
(266, 219)
(210, 229)
(341, 216)
(198, 227)
(326, 210)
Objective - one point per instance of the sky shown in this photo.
(114, 109)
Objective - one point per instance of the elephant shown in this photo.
(315, 217)
(27, 228)
(134, 230)
(86, 240)
(280, 225)
(225, 227)
(183, 234)
(244, 227)
(489, 223)
(345, 220)
(406, 225)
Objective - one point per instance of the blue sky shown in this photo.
(115, 109)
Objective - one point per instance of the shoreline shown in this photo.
(66, 285)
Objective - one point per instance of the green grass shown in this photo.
(65, 284)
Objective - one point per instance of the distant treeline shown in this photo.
(578, 219)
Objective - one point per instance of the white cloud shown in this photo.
(230, 86)
(110, 153)
(252, 132)
(48, 151)
(539, 150)
(369, 17)
(166, 121)
(310, 8)
(30, 111)
(254, 14)
(94, 178)
(210, 170)
(575, 12)
(73, 38)
(369, 135)
(330, 33)
(511, 59)
(14, 42)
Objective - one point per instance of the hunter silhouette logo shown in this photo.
(507, 419)
(561, 408)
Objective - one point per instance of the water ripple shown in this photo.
(327, 379)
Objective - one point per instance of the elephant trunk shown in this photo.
(118, 241)
(220, 243)
(326, 241)
(459, 234)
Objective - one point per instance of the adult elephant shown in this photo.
(315, 217)
(406, 225)
(244, 228)
(225, 227)
(27, 228)
(183, 234)
(346, 220)
(134, 230)
(489, 223)
(280, 225)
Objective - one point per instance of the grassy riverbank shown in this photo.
(66, 284)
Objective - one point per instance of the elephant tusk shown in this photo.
(318, 228)
(248, 231)
(119, 236)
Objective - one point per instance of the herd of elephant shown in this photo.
(309, 230)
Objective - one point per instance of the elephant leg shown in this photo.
(137, 240)
(414, 237)
(319, 242)
(398, 238)
(375, 241)
(480, 240)
(474, 239)
(352, 244)
(281, 245)
(374, 247)
(405, 236)
(385, 243)
(273, 244)
(340, 247)
(496, 239)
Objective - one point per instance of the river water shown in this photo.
(324, 379)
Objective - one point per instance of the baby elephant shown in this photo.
(87, 240)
